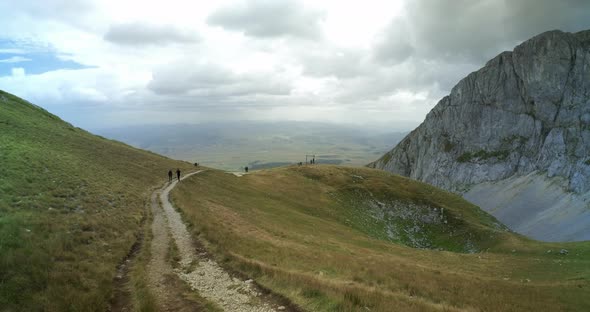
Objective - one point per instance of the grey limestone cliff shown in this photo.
(526, 113)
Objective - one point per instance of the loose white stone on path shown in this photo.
(204, 275)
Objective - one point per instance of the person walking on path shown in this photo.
(170, 175)
(246, 169)
(178, 174)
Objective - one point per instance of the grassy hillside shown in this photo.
(344, 239)
(71, 205)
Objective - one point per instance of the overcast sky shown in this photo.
(110, 63)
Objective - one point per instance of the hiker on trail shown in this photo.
(169, 175)
(178, 174)
(246, 169)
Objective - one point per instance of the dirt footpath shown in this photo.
(202, 274)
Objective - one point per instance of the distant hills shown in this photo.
(233, 145)
(514, 138)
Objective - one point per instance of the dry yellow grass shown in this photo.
(285, 228)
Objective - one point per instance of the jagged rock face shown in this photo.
(525, 111)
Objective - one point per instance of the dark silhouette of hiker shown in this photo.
(169, 175)
(246, 169)
(178, 174)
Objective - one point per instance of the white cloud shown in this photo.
(375, 61)
(15, 59)
(12, 51)
(146, 34)
(268, 19)
(337, 62)
(18, 72)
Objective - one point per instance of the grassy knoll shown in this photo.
(343, 239)
(71, 205)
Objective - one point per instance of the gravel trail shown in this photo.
(158, 267)
(204, 275)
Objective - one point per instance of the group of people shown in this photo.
(170, 175)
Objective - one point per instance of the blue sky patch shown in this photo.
(33, 58)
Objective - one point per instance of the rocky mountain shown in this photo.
(514, 138)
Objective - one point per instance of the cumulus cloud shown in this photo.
(209, 80)
(394, 45)
(268, 19)
(148, 34)
(475, 30)
(70, 88)
(289, 59)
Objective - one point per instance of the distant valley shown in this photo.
(233, 145)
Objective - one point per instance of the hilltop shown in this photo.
(71, 206)
(514, 138)
(334, 238)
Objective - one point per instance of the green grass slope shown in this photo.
(356, 239)
(71, 204)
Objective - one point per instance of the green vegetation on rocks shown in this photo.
(448, 145)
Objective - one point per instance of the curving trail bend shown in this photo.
(202, 274)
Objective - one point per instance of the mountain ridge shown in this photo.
(524, 112)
